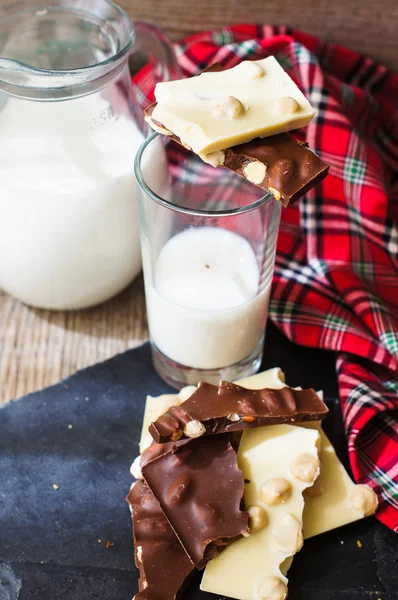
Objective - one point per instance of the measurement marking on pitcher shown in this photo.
(105, 117)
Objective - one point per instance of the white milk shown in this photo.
(69, 227)
(205, 312)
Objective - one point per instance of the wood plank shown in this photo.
(366, 26)
(40, 347)
(363, 25)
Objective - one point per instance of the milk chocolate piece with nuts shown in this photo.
(229, 407)
(280, 165)
(163, 564)
(200, 489)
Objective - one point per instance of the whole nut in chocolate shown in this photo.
(364, 500)
(288, 535)
(254, 171)
(229, 107)
(275, 490)
(215, 159)
(258, 518)
(253, 70)
(194, 429)
(272, 588)
(286, 106)
(135, 468)
(305, 467)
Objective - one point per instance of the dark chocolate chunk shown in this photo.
(228, 407)
(200, 489)
(164, 566)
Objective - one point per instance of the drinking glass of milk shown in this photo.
(70, 125)
(208, 242)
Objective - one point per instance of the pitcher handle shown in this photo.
(161, 53)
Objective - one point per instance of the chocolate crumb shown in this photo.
(247, 480)
(207, 266)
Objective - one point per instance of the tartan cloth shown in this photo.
(335, 283)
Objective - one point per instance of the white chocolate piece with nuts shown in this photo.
(218, 110)
(332, 501)
(250, 568)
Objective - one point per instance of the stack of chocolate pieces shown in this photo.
(237, 132)
(189, 506)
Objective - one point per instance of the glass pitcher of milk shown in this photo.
(70, 125)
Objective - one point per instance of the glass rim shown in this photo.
(111, 60)
(183, 209)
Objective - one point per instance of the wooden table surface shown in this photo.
(39, 347)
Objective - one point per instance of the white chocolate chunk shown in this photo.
(217, 110)
(328, 503)
(331, 507)
(272, 378)
(250, 568)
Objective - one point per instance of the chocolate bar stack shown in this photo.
(237, 119)
(189, 505)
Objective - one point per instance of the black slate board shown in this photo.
(49, 547)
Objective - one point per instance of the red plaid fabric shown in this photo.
(335, 283)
